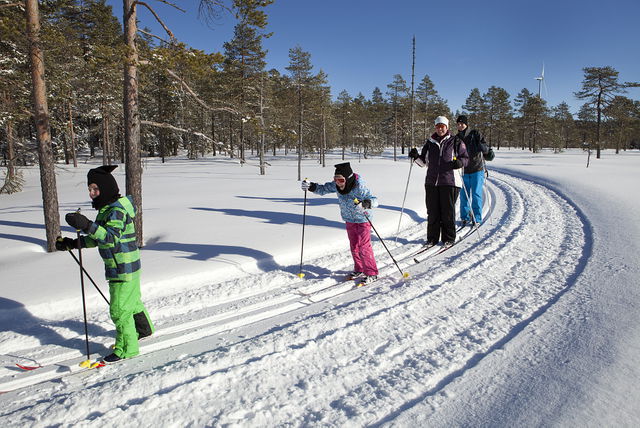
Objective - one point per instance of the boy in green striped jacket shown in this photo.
(113, 232)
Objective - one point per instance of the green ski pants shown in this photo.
(129, 315)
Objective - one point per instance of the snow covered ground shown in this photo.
(530, 320)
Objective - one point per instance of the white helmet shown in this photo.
(442, 119)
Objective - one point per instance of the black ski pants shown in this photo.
(441, 212)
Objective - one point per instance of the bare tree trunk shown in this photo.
(213, 133)
(262, 129)
(43, 135)
(413, 67)
(72, 139)
(299, 134)
(231, 153)
(11, 169)
(395, 135)
(10, 141)
(133, 164)
(324, 141)
(65, 141)
(13, 181)
(121, 140)
(107, 138)
(241, 143)
(105, 148)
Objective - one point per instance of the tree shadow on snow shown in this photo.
(204, 252)
(30, 239)
(16, 318)
(276, 217)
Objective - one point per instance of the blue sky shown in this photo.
(461, 45)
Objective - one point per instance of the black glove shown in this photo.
(456, 164)
(77, 221)
(310, 186)
(366, 204)
(64, 244)
(413, 154)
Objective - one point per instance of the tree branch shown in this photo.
(153, 35)
(193, 94)
(209, 9)
(186, 131)
(172, 5)
(153, 12)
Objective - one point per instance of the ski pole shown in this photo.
(403, 200)
(404, 274)
(88, 276)
(87, 362)
(304, 220)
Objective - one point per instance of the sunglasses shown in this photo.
(339, 179)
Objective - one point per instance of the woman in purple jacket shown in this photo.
(444, 155)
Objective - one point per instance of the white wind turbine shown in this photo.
(540, 80)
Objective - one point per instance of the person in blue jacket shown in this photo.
(473, 178)
(350, 186)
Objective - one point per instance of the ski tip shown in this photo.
(301, 275)
(88, 364)
(85, 363)
(27, 368)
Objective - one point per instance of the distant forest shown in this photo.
(73, 80)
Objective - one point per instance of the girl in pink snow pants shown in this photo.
(349, 187)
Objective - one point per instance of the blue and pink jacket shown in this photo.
(348, 209)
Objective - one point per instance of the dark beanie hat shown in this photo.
(462, 119)
(101, 176)
(343, 169)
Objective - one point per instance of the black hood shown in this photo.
(109, 191)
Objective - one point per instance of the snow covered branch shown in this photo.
(187, 131)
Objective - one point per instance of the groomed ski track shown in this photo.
(393, 344)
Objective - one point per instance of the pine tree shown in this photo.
(244, 62)
(343, 113)
(564, 121)
(498, 114)
(476, 107)
(398, 93)
(14, 93)
(599, 86)
(300, 68)
(622, 116)
(521, 101)
(103, 70)
(378, 110)
(431, 105)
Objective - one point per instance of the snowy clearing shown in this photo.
(529, 320)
